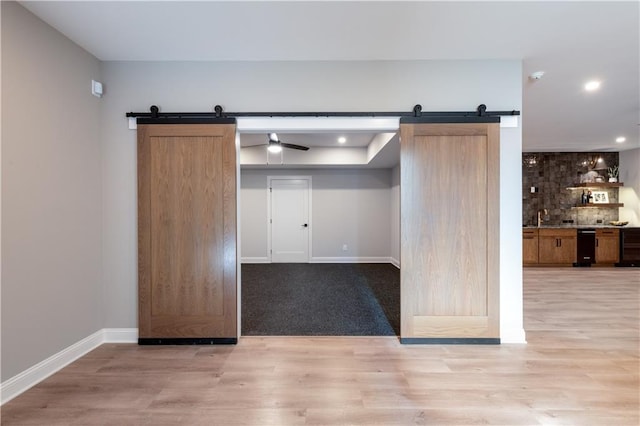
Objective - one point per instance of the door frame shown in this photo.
(306, 122)
(269, 218)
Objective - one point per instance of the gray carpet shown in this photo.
(296, 299)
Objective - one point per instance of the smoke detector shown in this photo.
(536, 75)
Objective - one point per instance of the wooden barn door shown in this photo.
(187, 233)
(450, 233)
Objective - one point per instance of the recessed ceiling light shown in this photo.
(342, 139)
(621, 139)
(592, 85)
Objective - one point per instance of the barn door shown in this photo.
(449, 232)
(187, 233)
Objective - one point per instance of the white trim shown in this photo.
(515, 335)
(21, 382)
(317, 124)
(509, 121)
(238, 238)
(120, 335)
(359, 259)
(255, 260)
(30, 377)
(395, 262)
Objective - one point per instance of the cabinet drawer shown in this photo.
(558, 233)
(607, 232)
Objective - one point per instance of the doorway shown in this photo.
(346, 284)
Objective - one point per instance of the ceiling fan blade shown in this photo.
(294, 146)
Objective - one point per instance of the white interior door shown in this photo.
(290, 220)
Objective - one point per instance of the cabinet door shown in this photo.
(557, 246)
(548, 249)
(567, 250)
(607, 246)
(530, 246)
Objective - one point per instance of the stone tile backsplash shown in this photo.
(553, 174)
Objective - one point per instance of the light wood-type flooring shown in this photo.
(580, 367)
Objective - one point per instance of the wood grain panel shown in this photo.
(144, 230)
(187, 231)
(451, 239)
(451, 326)
(449, 227)
(187, 226)
(530, 246)
(607, 246)
(230, 229)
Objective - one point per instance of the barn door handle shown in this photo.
(305, 225)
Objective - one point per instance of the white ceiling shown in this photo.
(572, 42)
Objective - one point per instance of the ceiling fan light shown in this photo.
(274, 148)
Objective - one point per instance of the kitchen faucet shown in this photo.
(540, 213)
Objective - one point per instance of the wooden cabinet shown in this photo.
(557, 246)
(529, 246)
(607, 245)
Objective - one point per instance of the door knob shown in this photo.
(305, 225)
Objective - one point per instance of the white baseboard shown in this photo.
(255, 260)
(21, 382)
(360, 259)
(515, 335)
(120, 335)
(395, 262)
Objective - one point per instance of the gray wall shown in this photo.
(349, 206)
(298, 86)
(630, 194)
(51, 192)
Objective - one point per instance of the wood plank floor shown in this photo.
(581, 367)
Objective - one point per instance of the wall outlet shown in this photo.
(344, 247)
(534, 189)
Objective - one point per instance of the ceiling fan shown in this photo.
(275, 145)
